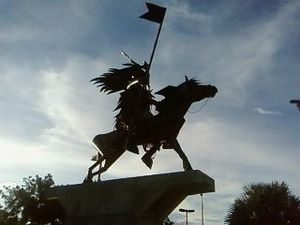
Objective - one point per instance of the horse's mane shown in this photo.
(167, 91)
(191, 82)
(116, 80)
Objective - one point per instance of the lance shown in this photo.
(155, 14)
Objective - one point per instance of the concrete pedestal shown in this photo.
(145, 200)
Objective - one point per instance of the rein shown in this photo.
(202, 107)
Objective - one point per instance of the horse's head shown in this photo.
(178, 99)
(195, 91)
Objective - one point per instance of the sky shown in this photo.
(250, 50)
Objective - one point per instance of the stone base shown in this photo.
(144, 200)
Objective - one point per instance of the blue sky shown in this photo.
(49, 50)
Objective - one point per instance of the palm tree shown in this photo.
(167, 221)
(265, 204)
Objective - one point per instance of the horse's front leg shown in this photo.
(147, 157)
(185, 161)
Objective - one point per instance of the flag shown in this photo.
(155, 13)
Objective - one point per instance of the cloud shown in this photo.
(233, 155)
(266, 112)
(238, 62)
(7, 184)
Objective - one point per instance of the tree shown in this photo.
(265, 204)
(28, 203)
(6, 219)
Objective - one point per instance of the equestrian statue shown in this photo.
(135, 124)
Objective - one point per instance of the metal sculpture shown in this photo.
(135, 124)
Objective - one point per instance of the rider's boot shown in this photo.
(147, 160)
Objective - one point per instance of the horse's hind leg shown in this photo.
(111, 145)
(103, 168)
(90, 175)
(185, 161)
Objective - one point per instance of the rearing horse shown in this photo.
(138, 125)
(171, 112)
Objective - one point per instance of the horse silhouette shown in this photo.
(138, 125)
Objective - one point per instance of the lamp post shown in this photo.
(186, 211)
(297, 102)
(202, 206)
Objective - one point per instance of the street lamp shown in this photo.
(186, 211)
(297, 102)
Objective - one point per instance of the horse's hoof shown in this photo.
(87, 180)
(187, 167)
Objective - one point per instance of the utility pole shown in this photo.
(186, 211)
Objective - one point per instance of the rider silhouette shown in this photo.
(135, 101)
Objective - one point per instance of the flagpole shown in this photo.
(155, 44)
